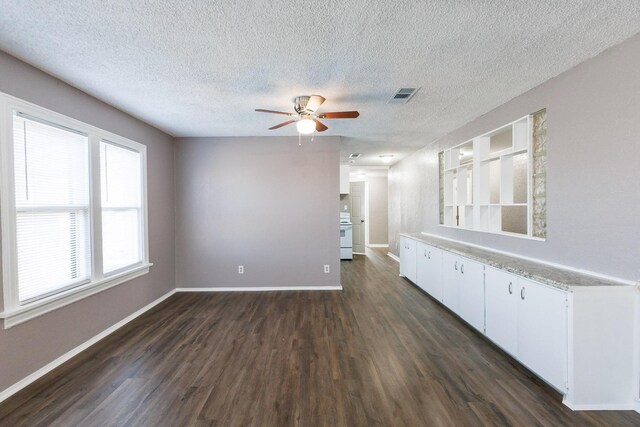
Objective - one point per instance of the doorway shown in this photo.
(358, 216)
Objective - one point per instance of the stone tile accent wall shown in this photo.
(539, 174)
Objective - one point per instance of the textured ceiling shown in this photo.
(199, 68)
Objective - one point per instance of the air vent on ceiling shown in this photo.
(403, 95)
(354, 155)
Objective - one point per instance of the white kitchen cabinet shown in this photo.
(344, 179)
(430, 270)
(501, 304)
(463, 284)
(529, 321)
(542, 331)
(579, 335)
(408, 261)
(471, 288)
(450, 282)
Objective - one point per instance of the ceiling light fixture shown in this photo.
(386, 158)
(306, 126)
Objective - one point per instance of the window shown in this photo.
(51, 169)
(496, 182)
(73, 210)
(121, 206)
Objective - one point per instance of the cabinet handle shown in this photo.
(462, 268)
(522, 293)
(456, 265)
(429, 256)
(425, 253)
(510, 288)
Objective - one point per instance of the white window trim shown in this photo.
(15, 313)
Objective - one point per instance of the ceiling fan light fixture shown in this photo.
(306, 126)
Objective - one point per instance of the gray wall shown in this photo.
(264, 203)
(593, 189)
(378, 210)
(31, 345)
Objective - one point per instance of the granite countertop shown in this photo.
(549, 275)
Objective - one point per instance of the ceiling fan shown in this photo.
(306, 117)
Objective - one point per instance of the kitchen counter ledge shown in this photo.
(556, 277)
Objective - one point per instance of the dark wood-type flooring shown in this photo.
(378, 353)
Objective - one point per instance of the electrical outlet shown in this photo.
(241, 269)
(326, 268)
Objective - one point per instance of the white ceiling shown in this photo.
(199, 68)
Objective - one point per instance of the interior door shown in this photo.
(357, 216)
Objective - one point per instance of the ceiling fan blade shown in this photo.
(288, 122)
(260, 110)
(319, 126)
(339, 115)
(315, 101)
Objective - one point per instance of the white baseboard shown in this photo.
(377, 245)
(393, 257)
(261, 289)
(68, 355)
(602, 407)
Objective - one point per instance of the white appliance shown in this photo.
(346, 236)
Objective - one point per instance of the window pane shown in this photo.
(53, 251)
(51, 167)
(120, 241)
(121, 190)
(120, 176)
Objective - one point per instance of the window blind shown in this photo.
(120, 179)
(51, 168)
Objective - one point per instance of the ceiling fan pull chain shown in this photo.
(299, 140)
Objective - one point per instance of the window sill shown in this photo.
(37, 308)
(499, 233)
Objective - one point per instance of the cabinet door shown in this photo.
(430, 270)
(408, 260)
(404, 256)
(450, 281)
(422, 270)
(412, 265)
(472, 293)
(501, 304)
(434, 282)
(542, 331)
